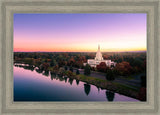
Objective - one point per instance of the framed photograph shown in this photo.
(79, 57)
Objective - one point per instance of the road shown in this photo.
(133, 83)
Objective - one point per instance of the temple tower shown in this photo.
(99, 55)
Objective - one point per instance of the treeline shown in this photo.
(127, 62)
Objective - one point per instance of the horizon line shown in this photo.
(78, 51)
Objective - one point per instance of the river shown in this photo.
(29, 85)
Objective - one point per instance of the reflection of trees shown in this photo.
(26, 67)
(16, 65)
(65, 78)
(98, 88)
(53, 75)
(87, 89)
(46, 73)
(77, 82)
(70, 81)
(110, 95)
(39, 70)
(60, 77)
(57, 76)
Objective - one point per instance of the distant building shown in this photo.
(98, 59)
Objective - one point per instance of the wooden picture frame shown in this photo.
(9, 7)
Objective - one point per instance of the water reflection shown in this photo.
(46, 73)
(98, 89)
(53, 75)
(70, 81)
(87, 89)
(77, 82)
(64, 91)
(65, 79)
(60, 77)
(39, 70)
(25, 66)
(110, 95)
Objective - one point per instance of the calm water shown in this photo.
(29, 85)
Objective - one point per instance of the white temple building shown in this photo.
(98, 59)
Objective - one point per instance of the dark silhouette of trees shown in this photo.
(142, 94)
(66, 68)
(143, 90)
(69, 73)
(65, 79)
(70, 81)
(28, 61)
(61, 71)
(46, 73)
(53, 75)
(77, 72)
(87, 89)
(110, 95)
(52, 63)
(71, 69)
(143, 81)
(55, 69)
(45, 66)
(77, 82)
(87, 70)
(110, 75)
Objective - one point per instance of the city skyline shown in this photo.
(80, 32)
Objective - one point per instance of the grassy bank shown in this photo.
(109, 85)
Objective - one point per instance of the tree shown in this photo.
(142, 94)
(77, 72)
(66, 68)
(45, 66)
(124, 68)
(102, 67)
(137, 62)
(61, 71)
(71, 69)
(110, 75)
(37, 62)
(142, 91)
(71, 61)
(52, 63)
(55, 69)
(87, 70)
(28, 61)
(69, 74)
(143, 81)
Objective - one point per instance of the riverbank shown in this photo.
(116, 87)
(109, 85)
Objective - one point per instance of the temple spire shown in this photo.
(99, 54)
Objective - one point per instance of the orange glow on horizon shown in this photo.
(79, 47)
(76, 50)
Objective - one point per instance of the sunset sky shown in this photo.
(80, 32)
